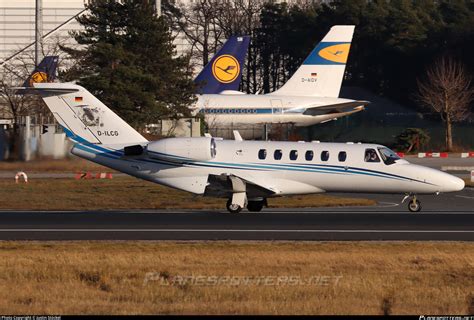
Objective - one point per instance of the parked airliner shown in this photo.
(244, 172)
(310, 96)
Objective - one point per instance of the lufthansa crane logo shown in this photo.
(336, 53)
(38, 77)
(226, 68)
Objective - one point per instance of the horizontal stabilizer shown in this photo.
(48, 90)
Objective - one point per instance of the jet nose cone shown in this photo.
(453, 184)
(458, 184)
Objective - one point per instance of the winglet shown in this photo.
(237, 136)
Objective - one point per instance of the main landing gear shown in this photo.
(414, 205)
(256, 206)
(232, 207)
(252, 206)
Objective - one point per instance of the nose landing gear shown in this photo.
(414, 205)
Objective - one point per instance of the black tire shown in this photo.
(414, 206)
(255, 206)
(233, 208)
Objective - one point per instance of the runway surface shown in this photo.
(444, 217)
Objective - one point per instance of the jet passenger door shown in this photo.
(277, 108)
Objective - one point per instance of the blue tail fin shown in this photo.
(224, 71)
(44, 72)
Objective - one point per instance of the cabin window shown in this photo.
(277, 154)
(325, 156)
(371, 156)
(262, 154)
(293, 154)
(342, 156)
(309, 155)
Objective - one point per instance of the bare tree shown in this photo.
(13, 103)
(198, 23)
(447, 90)
(205, 24)
(17, 105)
(243, 17)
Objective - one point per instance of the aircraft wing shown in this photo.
(224, 185)
(344, 107)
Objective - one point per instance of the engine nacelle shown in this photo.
(182, 149)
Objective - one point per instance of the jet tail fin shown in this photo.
(322, 72)
(44, 72)
(84, 118)
(224, 71)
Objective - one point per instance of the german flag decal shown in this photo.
(78, 99)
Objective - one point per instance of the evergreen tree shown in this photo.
(128, 61)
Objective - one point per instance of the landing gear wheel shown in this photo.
(233, 208)
(255, 206)
(414, 205)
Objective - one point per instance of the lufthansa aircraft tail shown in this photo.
(84, 118)
(322, 72)
(44, 72)
(224, 71)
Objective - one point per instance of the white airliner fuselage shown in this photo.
(228, 109)
(309, 97)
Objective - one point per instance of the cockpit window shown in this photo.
(371, 156)
(388, 156)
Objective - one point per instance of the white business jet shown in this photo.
(310, 96)
(244, 172)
